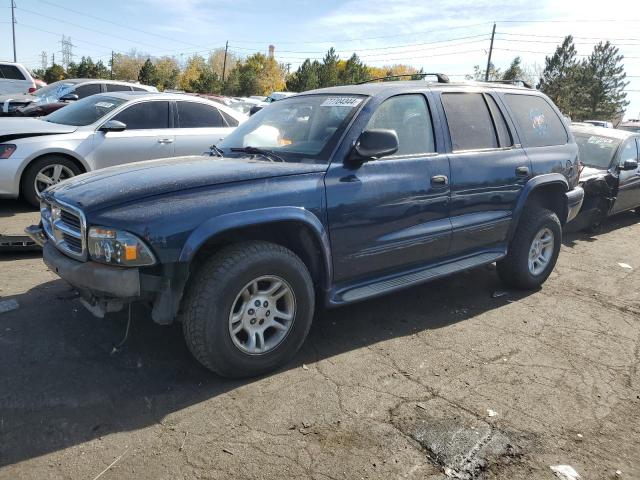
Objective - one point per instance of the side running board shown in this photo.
(416, 277)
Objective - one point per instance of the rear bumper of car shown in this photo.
(575, 198)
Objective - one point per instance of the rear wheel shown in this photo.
(248, 309)
(43, 173)
(533, 251)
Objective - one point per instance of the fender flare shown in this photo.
(262, 216)
(531, 186)
(53, 151)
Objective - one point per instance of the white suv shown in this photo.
(15, 79)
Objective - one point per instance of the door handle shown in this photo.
(522, 171)
(439, 180)
(165, 140)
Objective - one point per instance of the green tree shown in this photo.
(602, 79)
(559, 79)
(329, 74)
(148, 74)
(258, 74)
(54, 73)
(479, 73)
(307, 77)
(514, 72)
(207, 82)
(354, 71)
(167, 73)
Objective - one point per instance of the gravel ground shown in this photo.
(457, 377)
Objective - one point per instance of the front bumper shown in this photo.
(100, 280)
(575, 198)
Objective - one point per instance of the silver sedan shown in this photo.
(105, 130)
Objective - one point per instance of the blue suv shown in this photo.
(333, 196)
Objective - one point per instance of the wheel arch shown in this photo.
(77, 159)
(546, 190)
(292, 227)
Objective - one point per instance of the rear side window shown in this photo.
(145, 116)
(409, 116)
(11, 72)
(504, 137)
(470, 123)
(138, 89)
(114, 87)
(84, 91)
(538, 122)
(199, 115)
(232, 122)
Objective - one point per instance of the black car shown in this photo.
(336, 195)
(610, 178)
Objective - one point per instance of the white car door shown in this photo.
(199, 125)
(147, 136)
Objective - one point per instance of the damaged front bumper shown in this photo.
(105, 288)
(575, 197)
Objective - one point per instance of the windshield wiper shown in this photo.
(270, 154)
(215, 150)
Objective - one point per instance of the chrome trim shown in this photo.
(55, 228)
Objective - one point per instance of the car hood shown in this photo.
(15, 128)
(18, 97)
(590, 172)
(125, 183)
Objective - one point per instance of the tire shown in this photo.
(214, 294)
(28, 190)
(514, 269)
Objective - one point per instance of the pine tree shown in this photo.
(514, 72)
(559, 77)
(147, 75)
(329, 74)
(603, 84)
(354, 71)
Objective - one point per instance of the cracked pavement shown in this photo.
(395, 387)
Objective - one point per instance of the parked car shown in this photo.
(630, 126)
(610, 179)
(340, 194)
(15, 79)
(52, 97)
(104, 130)
(599, 123)
(273, 97)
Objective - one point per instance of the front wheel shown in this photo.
(43, 173)
(533, 251)
(248, 309)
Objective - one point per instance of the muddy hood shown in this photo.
(127, 183)
(14, 128)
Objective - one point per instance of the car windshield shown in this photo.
(298, 129)
(85, 111)
(51, 93)
(596, 150)
(630, 128)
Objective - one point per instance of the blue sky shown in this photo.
(445, 36)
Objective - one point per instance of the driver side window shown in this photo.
(629, 151)
(408, 116)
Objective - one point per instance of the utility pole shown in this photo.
(112, 55)
(486, 73)
(13, 29)
(53, 59)
(224, 63)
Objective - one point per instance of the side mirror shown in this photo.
(375, 144)
(113, 126)
(69, 97)
(629, 165)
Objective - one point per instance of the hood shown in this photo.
(590, 172)
(134, 181)
(17, 127)
(17, 97)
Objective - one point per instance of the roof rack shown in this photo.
(515, 81)
(442, 78)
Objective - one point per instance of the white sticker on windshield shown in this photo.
(341, 102)
(599, 140)
(104, 104)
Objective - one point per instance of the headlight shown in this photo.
(6, 150)
(115, 247)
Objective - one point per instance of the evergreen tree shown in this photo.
(148, 74)
(558, 80)
(514, 72)
(354, 71)
(54, 73)
(603, 83)
(329, 74)
(305, 78)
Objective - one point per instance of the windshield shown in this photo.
(53, 92)
(630, 128)
(301, 128)
(85, 111)
(596, 150)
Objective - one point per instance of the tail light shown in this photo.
(32, 89)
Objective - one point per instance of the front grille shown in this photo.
(65, 227)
